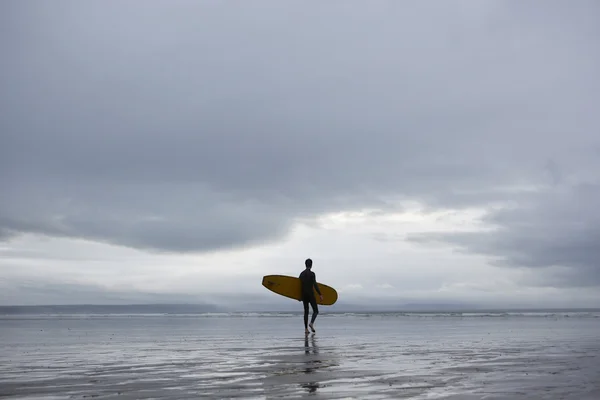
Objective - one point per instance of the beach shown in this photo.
(518, 355)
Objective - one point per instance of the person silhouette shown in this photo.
(309, 282)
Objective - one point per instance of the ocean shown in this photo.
(479, 355)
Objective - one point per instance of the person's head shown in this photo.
(308, 263)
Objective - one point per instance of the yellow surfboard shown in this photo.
(290, 286)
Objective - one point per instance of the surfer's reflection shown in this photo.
(312, 363)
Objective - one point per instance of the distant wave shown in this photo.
(402, 314)
(25, 316)
(482, 314)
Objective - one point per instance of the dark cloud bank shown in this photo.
(556, 229)
(194, 127)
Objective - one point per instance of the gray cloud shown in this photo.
(194, 127)
(557, 229)
(144, 216)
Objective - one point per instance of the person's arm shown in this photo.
(316, 284)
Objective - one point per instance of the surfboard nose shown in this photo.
(267, 282)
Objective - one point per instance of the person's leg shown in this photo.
(305, 301)
(315, 308)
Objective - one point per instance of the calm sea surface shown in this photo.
(380, 356)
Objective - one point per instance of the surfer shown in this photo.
(309, 281)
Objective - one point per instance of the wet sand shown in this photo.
(269, 356)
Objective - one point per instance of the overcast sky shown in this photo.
(417, 152)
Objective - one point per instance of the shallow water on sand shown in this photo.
(268, 356)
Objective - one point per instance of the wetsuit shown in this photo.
(309, 281)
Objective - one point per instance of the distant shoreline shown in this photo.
(212, 309)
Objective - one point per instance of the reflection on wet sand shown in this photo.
(291, 367)
(312, 363)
